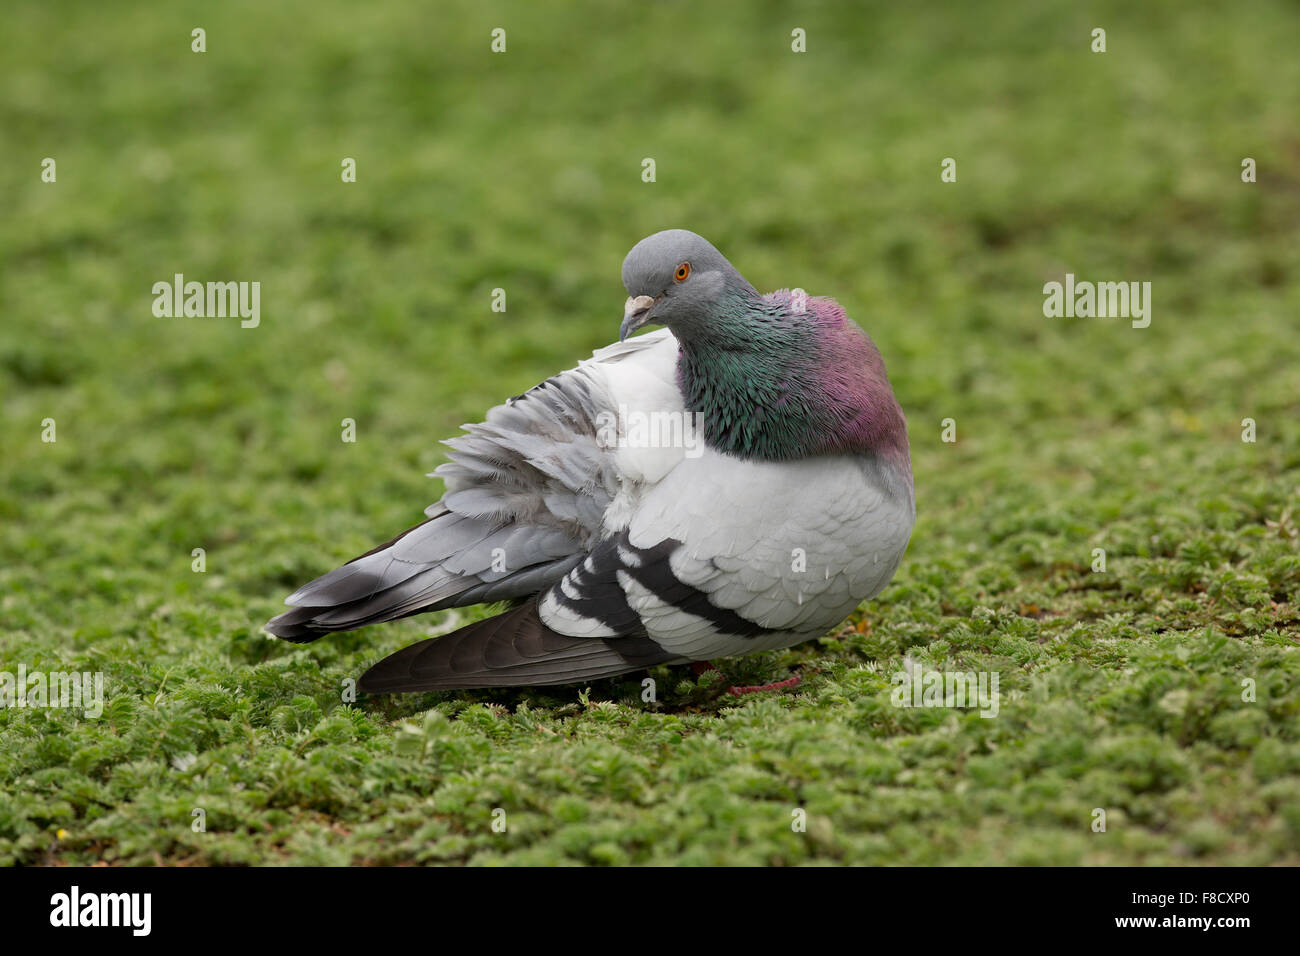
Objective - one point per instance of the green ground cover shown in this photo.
(1120, 690)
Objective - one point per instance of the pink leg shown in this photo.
(794, 681)
(703, 667)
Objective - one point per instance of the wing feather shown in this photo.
(527, 494)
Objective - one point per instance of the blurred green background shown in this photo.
(522, 171)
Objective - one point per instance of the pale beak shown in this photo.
(635, 315)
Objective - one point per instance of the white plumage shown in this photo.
(625, 551)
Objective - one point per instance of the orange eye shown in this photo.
(682, 272)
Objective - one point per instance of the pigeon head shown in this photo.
(676, 278)
(774, 377)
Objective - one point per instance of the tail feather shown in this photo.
(514, 649)
(295, 626)
(393, 580)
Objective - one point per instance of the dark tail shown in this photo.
(514, 649)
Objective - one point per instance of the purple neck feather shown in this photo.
(776, 381)
(856, 394)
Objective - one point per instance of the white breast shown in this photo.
(794, 546)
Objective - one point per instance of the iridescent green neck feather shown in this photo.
(775, 378)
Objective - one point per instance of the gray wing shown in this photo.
(703, 569)
(526, 492)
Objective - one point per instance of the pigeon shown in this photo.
(736, 481)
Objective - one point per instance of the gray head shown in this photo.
(676, 278)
